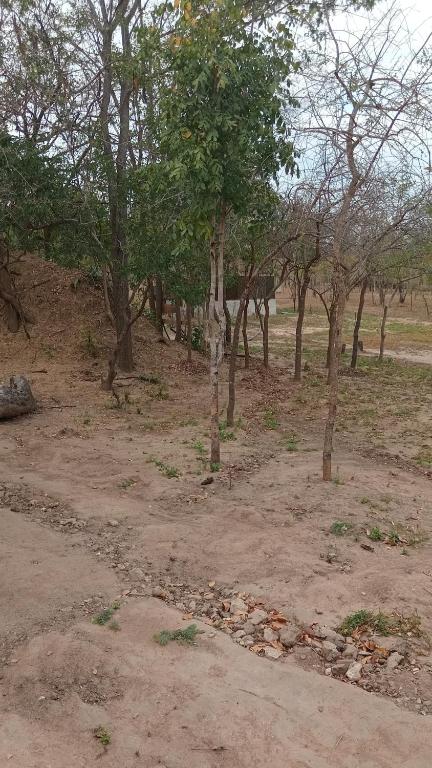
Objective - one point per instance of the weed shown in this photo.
(165, 468)
(224, 433)
(338, 480)
(183, 636)
(114, 625)
(340, 528)
(364, 500)
(382, 623)
(393, 538)
(106, 615)
(199, 447)
(270, 419)
(291, 443)
(89, 344)
(127, 483)
(161, 393)
(214, 466)
(103, 735)
(87, 421)
(375, 534)
(197, 340)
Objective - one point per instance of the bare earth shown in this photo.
(87, 517)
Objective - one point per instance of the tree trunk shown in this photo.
(233, 362)
(189, 332)
(244, 333)
(333, 381)
(266, 333)
(178, 321)
(216, 323)
(358, 324)
(332, 320)
(152, 297)
(159, 305)
(299, 327)
(383, 335)
(228, 323)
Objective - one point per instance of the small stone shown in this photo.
(238, 606)
(288, 636)
(192, 605)
(113, 523)
(393, 661)
(329, 651)
(354, 672)
(350, 652)
(341, 667)
(269, 635)
(248, 641)
(272, 653)
(137, 573)
(239, 633)
(41, 698)
(249, 628)
(391, 644)
(328, 671)
(161, 593)
(257, 617)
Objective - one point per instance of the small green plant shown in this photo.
(337, 480)
(160, 393)
(375, 534)
(377, 622)
(224, 433)
(106, 615)
(291, 443)
(197, 339)
(199, 447)
(214, 466)
(103, 735)
(166, 469)
(393, 537)
(270, 419)
(339, 528)
(126, 483)
(89, 344)
(183, 636)
(364, 500)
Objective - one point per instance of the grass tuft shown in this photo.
(183, 636)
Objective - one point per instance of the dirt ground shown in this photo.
(101, 505)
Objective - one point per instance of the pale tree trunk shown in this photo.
(266, 333)
(358, 323)
(159, 306)
(332, 324)
(189, 332)
(228, 323)
(299, 327)
(233, 362)
(383, 334)
(152, 297)
(333, 381)
(178, 321)
(216, 324)
(244, 334)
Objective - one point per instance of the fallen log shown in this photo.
(16, 398)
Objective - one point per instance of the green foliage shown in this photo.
(270, 419)
(185, 636)
(166, 469)
(103, 735)
(214, 466)
(225, 434)
(378, 622)
(375, 534)
(197, 338)
(104, 616)
(340, 528)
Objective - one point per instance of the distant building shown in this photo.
(264, 286)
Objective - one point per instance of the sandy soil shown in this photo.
(88, 517)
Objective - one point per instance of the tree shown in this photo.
(224, 129)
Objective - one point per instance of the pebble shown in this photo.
(354, 672)
(288, 636)
(272, 653)
(238, 606)
(329, 651)
(257, 617)
(113, 523)
(270, 635)
(393, 661)
(350, 652)
(239, 633)
(328, 671)
(162, 594)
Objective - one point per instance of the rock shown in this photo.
(272, 653)
(192, 605)
(137, 573)
(113, 523)
(329, 651)
(249, 628)
(239, 633)
(257, 617)
(238, 606)
(393, 661)
(270, 635)
(288, 636)
(16, 398)
(391, 643)
(354, 672)
(341, 667)
(161, 593)
(248, 641)
(350, 652)
(328, 671)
